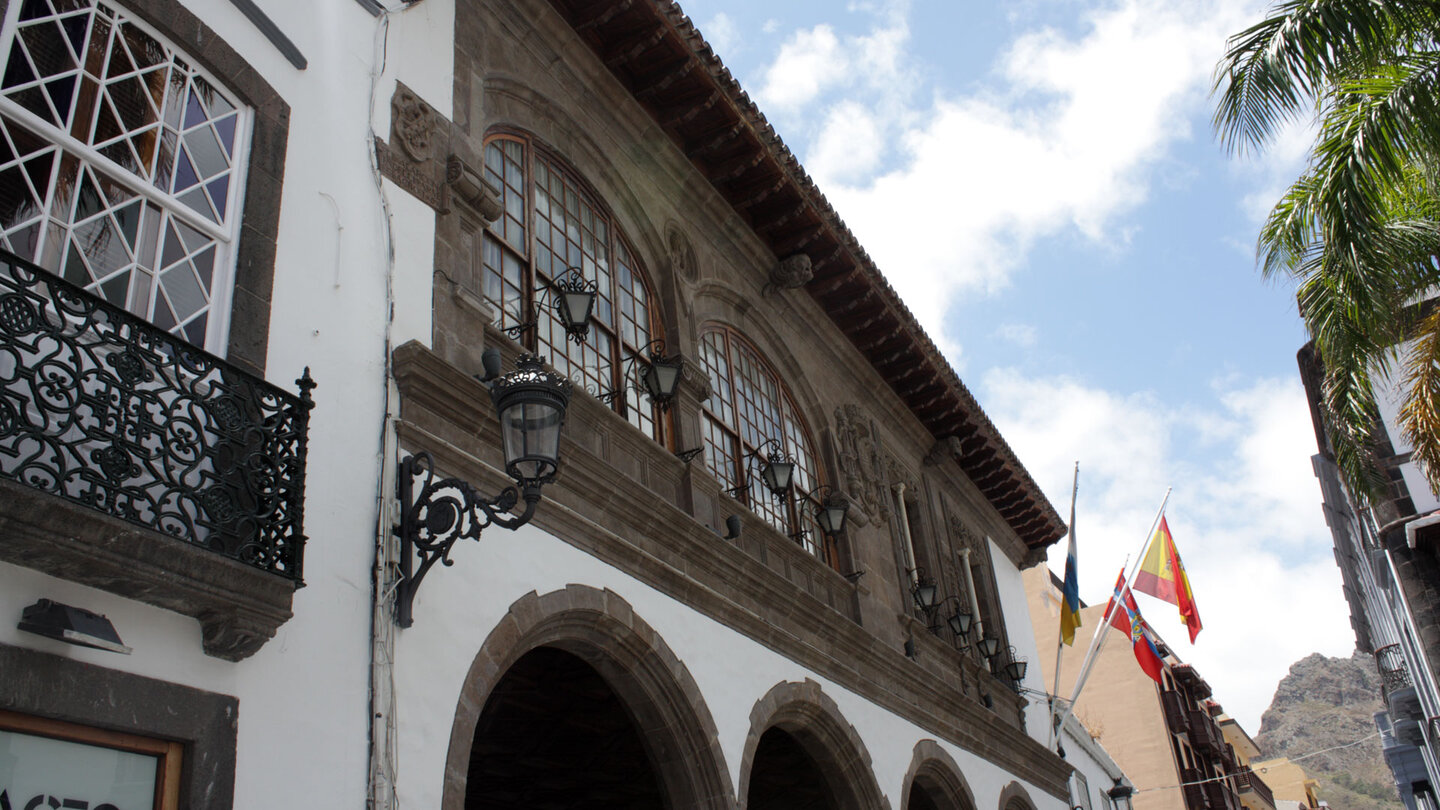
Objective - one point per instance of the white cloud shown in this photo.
(1021, 334)
(1246, 518)
(1061, 139)
(722, 34)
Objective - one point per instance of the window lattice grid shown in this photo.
(747, 407)
(534, 243)
(118, 164)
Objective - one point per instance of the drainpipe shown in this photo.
(905, 532)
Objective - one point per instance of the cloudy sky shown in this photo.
(1040, 182)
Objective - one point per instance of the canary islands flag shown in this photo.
(1070, 603)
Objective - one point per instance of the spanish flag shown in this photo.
(1163, 576)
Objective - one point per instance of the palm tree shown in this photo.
(1360, 229)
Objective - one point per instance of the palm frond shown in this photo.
(1420, 412)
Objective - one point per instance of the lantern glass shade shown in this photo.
(960, 622)
(989, 646)
(531, 403)
(1120, 795)
(777, 475)
(1016, 670)
(925, 594)
(661, 378)
(575, 307)
(831, 516)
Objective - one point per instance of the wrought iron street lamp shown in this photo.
(1120, 795)
(924, 591)
(989, 646)
(1015, 667)
(530, 402)
(659, 380)
(572, 296)
(777, 470)
(961, 620)
(831, 509)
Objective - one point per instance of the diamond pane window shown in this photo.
(551, 223)
(749, 406)
(120, 163)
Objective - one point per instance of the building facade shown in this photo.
(1165, 736)
(346, 205)
(1386, 552)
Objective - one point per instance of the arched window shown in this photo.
(749, 406)
(552, 222)
(120, 164)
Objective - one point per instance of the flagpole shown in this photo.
(1099, 640)
(1060, 638)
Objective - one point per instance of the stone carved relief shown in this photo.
(682, 255)
(792, 272)
(861, 462)
(412, 124)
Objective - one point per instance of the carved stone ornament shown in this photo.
(860, 461)
(948, 447)
(792, 272)
(412, 124)
(469, 187)
(682, 255)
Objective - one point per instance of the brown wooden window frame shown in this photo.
(168, 753)
(736, 422)
(518, 257)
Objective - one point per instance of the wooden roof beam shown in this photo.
(608, 12)
(800, 239)
(710, 141)
(629, 49)
(661, 78)
(685, 113)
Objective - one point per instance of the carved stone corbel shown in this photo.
(792, 272)
(947, 447)
(464, 184)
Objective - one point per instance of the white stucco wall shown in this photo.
(459, 606)
(1011, 589)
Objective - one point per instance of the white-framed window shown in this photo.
(121, 164)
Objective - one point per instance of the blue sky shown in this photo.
(1039, 181)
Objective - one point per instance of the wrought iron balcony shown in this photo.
(1250, 782)
(105, 410)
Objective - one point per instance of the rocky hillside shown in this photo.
(1325, 702)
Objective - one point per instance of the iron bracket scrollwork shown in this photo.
(436, 512)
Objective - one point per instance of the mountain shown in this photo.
(1323, 703)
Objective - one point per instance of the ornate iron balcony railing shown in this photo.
(103, 409)
(1390, 661)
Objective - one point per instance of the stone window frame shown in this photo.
(253, 253)
(645, 417)
(722, 424)
(205, 723)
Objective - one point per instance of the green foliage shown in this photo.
(1359, 231)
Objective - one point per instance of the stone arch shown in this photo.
(1015, 797)
(933, 769)
(601, 628)
(806, 713)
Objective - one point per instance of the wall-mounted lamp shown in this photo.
(961, 620)
(531, 403)
(1120, 795)
(777, 470)
(659, 380)
(1015, 668)
(989, 646)
(71, 625)
(831, 509)
(572, 296)
(924, 591)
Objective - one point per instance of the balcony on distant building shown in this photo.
(132, 461)
(1194, 789)
(1252, 786)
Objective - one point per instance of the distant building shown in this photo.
(1290, 783)
(1387, 557)
(1255, 792)
(1164, 737)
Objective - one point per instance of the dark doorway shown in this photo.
(919, 798)
(786, 777)
(554, 736)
